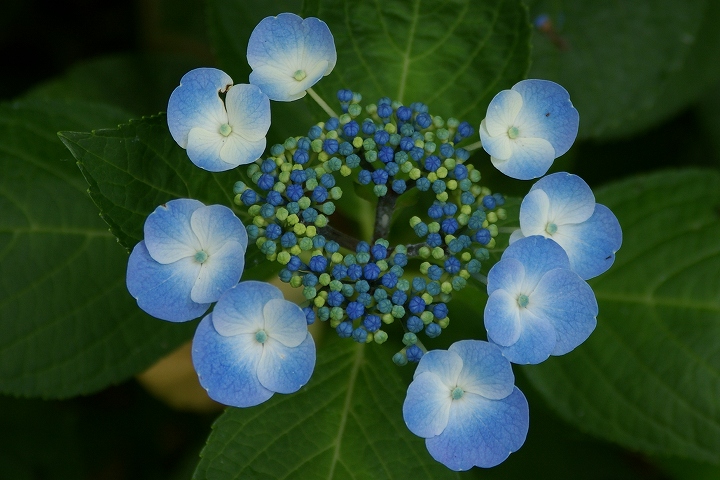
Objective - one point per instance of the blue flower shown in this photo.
(218, 135)
(562, 207)
(527, 127)
(191, 255)
(253, 344)
(288, 55)
(463, 401)
(537, 306)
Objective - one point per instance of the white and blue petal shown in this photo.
(536, 342)
(502, 318)
(538, 255)
(285, 322)
(444, 364)
(501, 113)
(569, 304)
(485, 371)
(227, 366)
(163, 290)
(285, 369)
(240, 309)
(289, 54)
(481, 432)
(196, 103)
(570, 199)
(530, 158)
(214, 225)
(426, 408)
(547, 113)
(219, 272)
(591, 245)
(168, 233)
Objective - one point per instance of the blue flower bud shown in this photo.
(438, 186)
(267, 211)
(362, 257)
(433, 288)
(362, 286)
(399, 186)
(330, 146)
(407, 130)
(398, 297)
(249, 197)
(434, 240)
(303, 143)
(309, 315)
(416, 305)
(332, 124)
(423, 120)
(318, 263)
(379, 252)
(285, 275)
(419, 107)
(414, 324)
(489, 202)
(294, 192)
(455, 246)
(449, 226)
(446, 150)
(345, 149)
(354, 272)
(416, 153)
(499, 199)
(384, 110)
(352, 161)
(335, 299)
(344, 329)
(364, 177)
(440, 310)
(418, 284)
(368, 127)
(434, 272)
(274, 198)
(332, 246)
(293, 207)
(473, 266)
(464, 130)
(482, 236)
(351, 129)
(273, 231)
(355, 310)
(298, 176)
(452, 265)
(323, 313)
(252, 231)
(318, 241)
(380, 177)
(435, 211)
(365, 298)
(414, 353)
(386, 154)
(320, 194)
(301, 156)
(467, 198)
(360, 335)
(384, 306)
(404, 114)
(392, 168)
(423, 184)
(432, 163)
(339, 272)
(462, 154)
(433, 330)
(371, 271)
(288, 239)
(407, 143)
(268, 166)
(327, 181)
(314, 132)
(399, 359)
(389, 280)
(372, 323)
(400, 259)
(345, 95)
(382, 137)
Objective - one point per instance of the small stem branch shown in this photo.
(343, 239)
(507, 229)
(383, 214)
(473, 146)
(322, 103)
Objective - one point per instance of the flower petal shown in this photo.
(531, 158)
(570, 199)
(497, 146)
(591, 245)
(285, 322)
(227, 366)
(509, 275)
(196, 103)
(240, 309)
(502, 318)
(239, 151)
(501, 112)
(426, 408)
(215, 225)
(168, 234)
(219, 272)
(485, 371)
(285, 369)
(536, 341)
(248, 111)
(535, 213)
(204, 147)
(481, 432)
(569, 304)
(163, 290)
(446, 365)
(538, 255)
(547, 113)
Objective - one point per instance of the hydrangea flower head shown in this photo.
(253, 344)
(562, 206)
(190, 256)
(527, 127)
(537, 306)
(463, 401)
(220, 124)
(289, 54)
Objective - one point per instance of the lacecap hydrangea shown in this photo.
(462, 400)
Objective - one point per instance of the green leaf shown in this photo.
(452, 55)
(649, 376)
(346, 423)
(136, 167)
(67, 324)
(627, 65)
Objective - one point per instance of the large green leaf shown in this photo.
(67, 324)
(346, 423)
(627, 65)
(649, 376)
(453, 55)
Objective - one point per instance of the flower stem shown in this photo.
(322, 103)
(383, 215)
(343, 239)
(473, 146)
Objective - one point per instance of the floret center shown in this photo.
(457, 393)
(299, 75)
(551, 228)
(523, 300)
(513, 132)
(261, 336)
(225, 129)
(201, 256)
